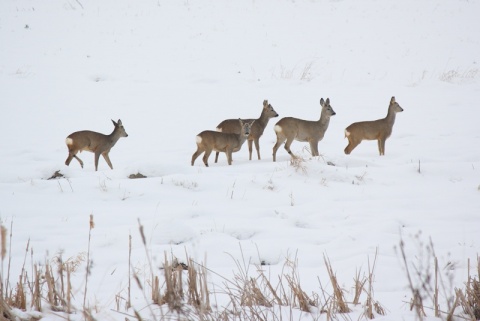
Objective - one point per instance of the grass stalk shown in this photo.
(435, 295)
(7, 280)
(91, 226)
(129, 302)
(3, 252)
(340, 303)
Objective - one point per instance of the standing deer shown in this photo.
(209, 140)
(379, 129)
(233, 126)
(94, 142)
(289, 129)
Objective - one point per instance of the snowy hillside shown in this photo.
(171, 69)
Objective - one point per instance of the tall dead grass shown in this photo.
(43, 286)
(428, 285)
(252, 293)
(184, 290)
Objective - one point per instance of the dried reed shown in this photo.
(91, 226)
(339, 301)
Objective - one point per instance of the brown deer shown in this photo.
(233, 126)
(289, 129)
(94, 142)
(379, 129)
(209, 140)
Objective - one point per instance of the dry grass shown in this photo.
(182, 291)
(303, 73)
(254, 296)
(136, 176)
(371, 305)
(56, 174)
(418, 281)
(420, 278)
(469, 299)
(359, 287)
(298, 163)
(44, 284)
(87, 274)
(339, 303)
(459, 76)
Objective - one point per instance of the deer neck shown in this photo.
(242, 138)
(263, 120)
(324, 120)
(114, 136)
(390, 119)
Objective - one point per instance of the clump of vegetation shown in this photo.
(55, 175)
(298, 163)
(456, 75)
(135, 176)
(470, 297)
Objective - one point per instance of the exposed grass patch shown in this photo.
(137, 175)
(185, 184)
(55, 175)
(459, 76)
(302, 72)
(298, 163)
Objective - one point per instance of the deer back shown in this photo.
(375, 129)
(306, 130)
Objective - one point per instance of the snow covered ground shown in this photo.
(171, 69)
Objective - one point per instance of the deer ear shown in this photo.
(322, 102)
(265, 103)
(392, 100)
(328, 101)
(114, 123)
(119, 122)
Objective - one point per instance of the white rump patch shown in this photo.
(69, 141)
(347, 133)
(219, 129)
(277, 128)
(199, 139)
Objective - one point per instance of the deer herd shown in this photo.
(232, 133)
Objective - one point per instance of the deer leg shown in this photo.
(287, 146)
(79, 160)
(257, 147)
(107, 159)
(351, 145)
(196, 154)
(314, 148)
(381, 146)
(206, 156)
(216, 156)
(250, 142)
(97, 157)
(229, 156)
(69, 158)
(277, 145)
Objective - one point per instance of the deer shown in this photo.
(209, 140)
(289, 129)
(256, 131)
(379, 129)
(97, 143)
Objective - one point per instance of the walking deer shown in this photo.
(289, 129)
(379, 129)
(94, 142)
(256, 131)
(209, 140)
